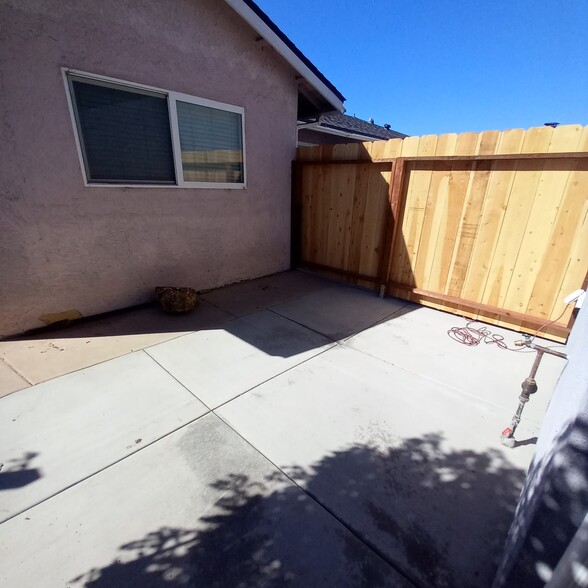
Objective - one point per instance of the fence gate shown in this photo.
(491, 226)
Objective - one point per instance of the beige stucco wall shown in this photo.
(64, 246)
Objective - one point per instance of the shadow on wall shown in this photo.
(552, 509)
(440, 518)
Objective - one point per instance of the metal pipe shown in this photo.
(529, 386)
(547, 350)
(536, 363)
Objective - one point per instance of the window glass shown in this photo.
(132, 134)
(125, 134)
(211, 142)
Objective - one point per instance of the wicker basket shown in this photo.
(176, 299)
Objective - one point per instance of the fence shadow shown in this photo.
(413, 515)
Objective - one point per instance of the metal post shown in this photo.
(529, 386)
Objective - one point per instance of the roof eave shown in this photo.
(340, 133)
(253, 18)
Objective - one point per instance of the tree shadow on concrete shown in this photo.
(18, 472)
(416, 514)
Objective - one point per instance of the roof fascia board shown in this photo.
(330, 131)
(270, 36)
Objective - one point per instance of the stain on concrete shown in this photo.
(422, 551)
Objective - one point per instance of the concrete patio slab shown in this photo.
(10, 381)
(339, 312)
(48, 355)
(393, 432)
(416, 340)
(413, 466)
(199, 508)
(220, 364)
(254, 295)
(55, 434)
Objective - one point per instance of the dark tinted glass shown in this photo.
(126, 135)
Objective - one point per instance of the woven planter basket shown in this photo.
(176, 299)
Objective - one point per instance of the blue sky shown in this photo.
(435, 66)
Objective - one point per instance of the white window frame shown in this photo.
(172, 98)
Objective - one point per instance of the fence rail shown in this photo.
(490, 225)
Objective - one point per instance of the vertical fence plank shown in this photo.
(471, 213)
(546, 203)
(378, 149)
(467, 232)
(308, 214)
(424, 254)
(468, 228)
(579, 254)
(569, 226)
(452, 212)
(374, 223)
(410, 146)
(495, 203)
(358, 217)
(331, 218)
(393, 148)
(517, 213)
(322, 212)
(578, 257)
(393, 222)
(423, 258)
(414, 212)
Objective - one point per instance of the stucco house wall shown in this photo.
(64, 246)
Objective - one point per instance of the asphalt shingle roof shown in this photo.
(352, 124)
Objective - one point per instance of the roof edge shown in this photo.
(259, 21)
(339, 133)
(329, 130)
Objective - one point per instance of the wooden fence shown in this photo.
(490, 225)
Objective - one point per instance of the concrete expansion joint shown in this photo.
(146, 352)
(301, 324)
(16, 371)
(357, 534)
(106, 467)
(218, 307)
(223, 404)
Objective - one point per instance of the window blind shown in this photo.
(211, 142)
(125, 134)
